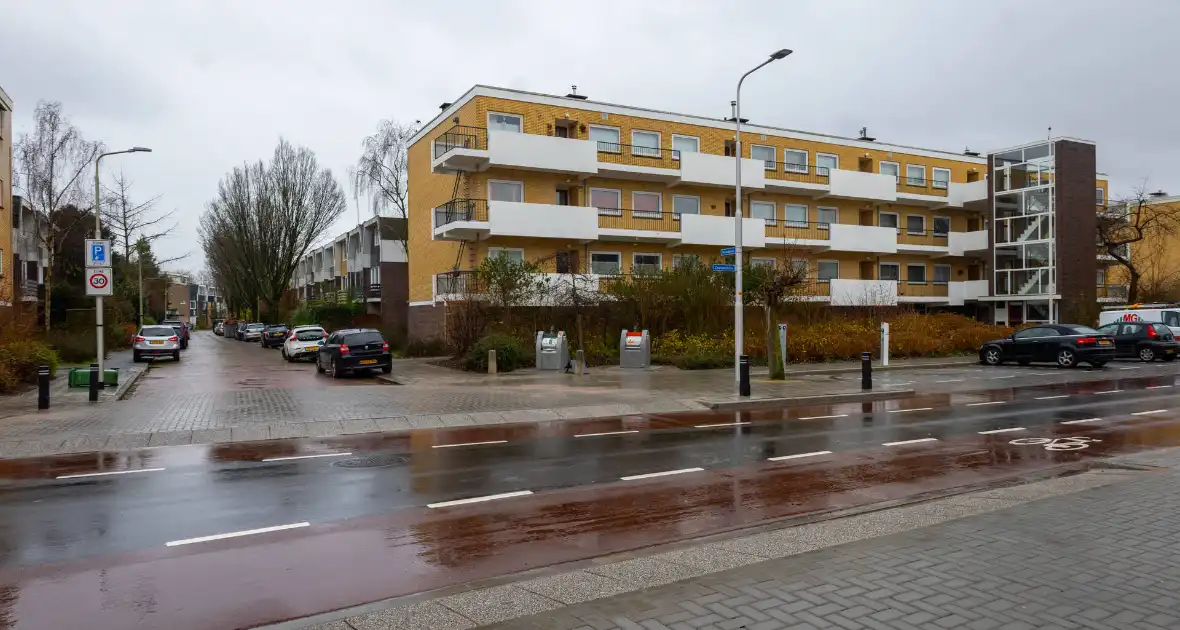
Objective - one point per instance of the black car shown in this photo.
(1066, 344)
(274, 335)
(1146, 341)
(240, 330)
(354, 349)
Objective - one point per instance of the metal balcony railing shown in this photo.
(800, 230)
(460, 137)
(632, 155)
(924, 237)
(630, 219)
(28, 288)
(789, 172)
(920, 186)
(373, 291)
(461, 210)
(1117, 291)
(813, 287)
(906, 288)
(456, 283)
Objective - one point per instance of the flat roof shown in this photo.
(5, 100)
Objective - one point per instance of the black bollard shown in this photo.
(43, 387)
(744, 375)
(866, 371)
(93, 382)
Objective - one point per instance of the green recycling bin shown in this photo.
(80, 377)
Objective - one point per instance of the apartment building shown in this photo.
(29, 253)
(606, 189)
(1156, 257)
(8, 287)
(366, 263)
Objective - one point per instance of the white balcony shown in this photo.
(359, 261)
(848, 292)
(542, 153)
(967, 243)
(863, 238)
(857, 185)
(971, 195)
(700, 229)
(960, 292)
(625, 161)
(468, 220)
(705, 169)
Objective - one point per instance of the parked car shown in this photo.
(1169, 314)
(303, 342)
(354, 349)
(218, 327)
(253, 331)
(1066, 344)
(273, 336)
(240, 331)
(181, 328)
(1146, 341)
(156, 341)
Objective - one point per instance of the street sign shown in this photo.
(729, 251)
(98, 281)
(98, 253)
(720, 267)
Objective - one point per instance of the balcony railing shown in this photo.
(373, 291)
(906, 288)
(802, 173)
(28, 288)
(461, 210)
(632, 155)
(925, 237)
(629, 219)
(919, 186)
(460, 137)
(798, 230)
(813, 287)
(456, 283)
(1117, 291)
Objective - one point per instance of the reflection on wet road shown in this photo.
(219, 537)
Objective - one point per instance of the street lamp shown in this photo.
(738, 315)
(98, 235)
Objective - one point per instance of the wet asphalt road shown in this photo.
(126, 551)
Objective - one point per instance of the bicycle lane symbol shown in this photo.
(1057, 444)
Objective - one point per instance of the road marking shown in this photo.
(904, 442)
(283, 459)
(1159, 387)
(661, 474)
(1052, 397)
(723, 424)
(1110, 391)
(815, 454)
(1147, 413)
(605, 433)
(470, 444)
(490, 497)
(1001, 430)
(952, 380)
(113, 472)
(1129, 368)
(248, 532)
(839, 415)
(999, 377)
(1080, 421)
(901, 383)
(1042, 373)
(905, 410)
(990, 402)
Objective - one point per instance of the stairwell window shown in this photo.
(608, 201)
(505, 122)
(941, 178)
(794, 161)
(942, 274)
(915, 175)
(764, 153)
(645, 143)
(915, 273)
(606, 263)
(762, 210)
(795, 215)
(606, 137)
(647, 205)
(505, 191)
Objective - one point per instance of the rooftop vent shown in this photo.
(574, 93)
(864, 134)
(444, 106)
(1159, 193)
(968, 151)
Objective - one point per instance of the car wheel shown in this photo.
(135, 357)
(991, 356)
(319, 367)
(286, 357)
(176, 355)
(335, 369)
(388, 369)
(1066, 358)
(1146, 354)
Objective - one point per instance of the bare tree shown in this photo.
(127, 220)
(52, 159)
(769, 286)
(382, 171)
(1134, 220)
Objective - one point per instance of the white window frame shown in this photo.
(679, 259)
(949, 271)
(618, 134)
(791, 167)
(505, 181)
(910, 180)
(495, 252)
(896, 218)
(607, 212)
(925, 278)
(823, 225)
(763, 262)
(934, 181)
(675, 214)
(907, 224)
(795, 222)
(1100, 195)
(881, 276)
(766, 165)
(793, 264)
(659, 257)
(647, 151)
(619, 255)
(819, 155)
(895, 165)
(676, 136)
(934, 226)
(773, 210)
(820, 263)
(659, 211)
(519, 117)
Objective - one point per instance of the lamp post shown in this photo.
(98, 234)
(738, 315)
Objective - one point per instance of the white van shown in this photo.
(1169, 314)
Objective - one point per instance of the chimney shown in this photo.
(574, 93)
(444, 106)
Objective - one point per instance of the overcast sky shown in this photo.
(211, 84)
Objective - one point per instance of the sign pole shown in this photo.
(98, 298)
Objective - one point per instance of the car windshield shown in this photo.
(277, 327)
(255, 326)
(157, 331)
(1081, 330)
(356, 339)
(312, 334)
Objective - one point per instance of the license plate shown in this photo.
(157, 343)
(312, 348)
(369, 362)
(1104, 343)
(1169, 351)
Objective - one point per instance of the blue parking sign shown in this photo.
(98, 252)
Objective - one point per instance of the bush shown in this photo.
(74, 347)
(148, 320)
(428, 348)
(510, 353)
(19, 361)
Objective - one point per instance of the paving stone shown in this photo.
(572, 588)
(424, 616)
(125, 441)
(324, 428)
(287, 430)
(211, 436)
(400, 423)
(170, 438)
(498, 603)
(349, 427)
(431, 422)
(250, 433)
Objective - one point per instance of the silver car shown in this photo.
(253, 332)
(156, 341)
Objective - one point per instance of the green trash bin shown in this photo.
(80, 377)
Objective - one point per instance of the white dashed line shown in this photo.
(1110, 391)
(283, 459)
(904, 442)
(839, 415)
(661, 474)
(1080, 421)
(999, 377)
(952, 380)
(490, 497)
(248, 532)
(1129, 368)
(1043, 373)
(113, 472)
(1052, 397)
(1159, 387)
(470, 444)
(605, 433)
(1148, 413)
(914, 409)
(990, 402)
(798, 456)
(723, 424)
(1001, 430)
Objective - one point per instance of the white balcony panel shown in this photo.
(704, 169)
(542, 220)
(701, 229)
(959, 292)
(542, 153)
(848, 292)
(963, 243)
(858, 185)
(863, 238)
(393, 251)
(962, 195)
(460, 159)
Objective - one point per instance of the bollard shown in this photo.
(744, 375)
(866, 371)
(884, 344)
(43, 387)
(579, 363)
(94, 382)
(492, 361)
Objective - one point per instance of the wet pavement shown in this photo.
(169, 537)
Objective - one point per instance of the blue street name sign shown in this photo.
(729, 251)
(720, 267)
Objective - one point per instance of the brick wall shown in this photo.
(395, 290)
(1076, 224)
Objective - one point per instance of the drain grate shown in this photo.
(372, 461)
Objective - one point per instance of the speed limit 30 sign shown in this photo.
(98, 281)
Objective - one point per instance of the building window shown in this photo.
(762, 210)
(891, 168)
(682, 260)
(915, 274)
(827, 216)
(915, 175)
(605, 264)
(766, 154)
(825, 163)
(646, 263)
(890, 271)
(608, 202)
(795, 215)
(682, 204)
(828, 270)
(794, 160)
(684, 144)
(941, 177)
(942, 274)
(887, 219)
(799, 267)
(505, 191)
(606, 137)
(1100, 196)
(761, 262)
(513, 254)
(942, 226)
(646, 204)
(645, 143)
(505, 122)
(915, 224)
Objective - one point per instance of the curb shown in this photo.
(881, 368)
(758, 403)
(125, 388)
